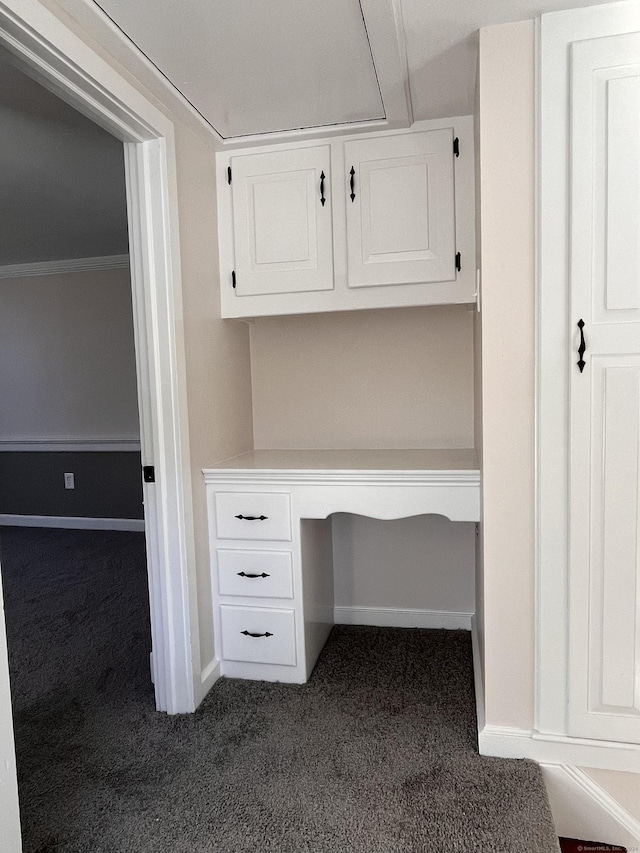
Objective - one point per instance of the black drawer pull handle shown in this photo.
(249, 634)
(582, 347)
(322, 198)
(252, 517)
(245, 575)
(351, 183)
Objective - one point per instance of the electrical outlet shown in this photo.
(69, 481)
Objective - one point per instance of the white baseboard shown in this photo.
(71, 522)
(208, 677)
(583, 809)
(506, 742)
(393, 617)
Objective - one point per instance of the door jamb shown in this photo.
(48, 51)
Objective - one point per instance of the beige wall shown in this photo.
(67, 360)
(623, 787)
(217, 354)
(376, 379)
(397, 378)
(507, 185)
(477, 397)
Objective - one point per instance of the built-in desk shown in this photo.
(271, 544)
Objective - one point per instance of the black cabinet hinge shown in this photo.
(148, 473)
(228, 174)
(233, 279)
(456, 148)
(458, 261)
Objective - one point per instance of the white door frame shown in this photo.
(50, 52)
(557, 31)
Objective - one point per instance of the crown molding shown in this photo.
(104, 262)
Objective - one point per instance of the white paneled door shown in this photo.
(604, 494)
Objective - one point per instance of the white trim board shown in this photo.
(210, 674)
(106, 262)
(394, 617)
(88, 445)
(71, 522)
(60, 60)
(509, 742)
(56, 56)
(583, 809)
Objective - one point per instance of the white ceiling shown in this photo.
(442, 46)
(258, 66)
(251, 66)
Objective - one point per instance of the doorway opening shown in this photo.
(151, 203)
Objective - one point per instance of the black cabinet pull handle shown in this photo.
(249, 634)
(351, 183)
(322, 198)
(245, 575)
(582, 347)
(252, 517)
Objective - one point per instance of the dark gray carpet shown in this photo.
(376, 754)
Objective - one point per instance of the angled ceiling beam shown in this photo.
(383, 20)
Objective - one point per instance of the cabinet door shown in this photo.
(604, 582)
(400, 209)
(282, 229)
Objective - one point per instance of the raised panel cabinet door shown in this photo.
(604, 517)
(400, 209)
(282, 229)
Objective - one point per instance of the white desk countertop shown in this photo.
(463, 459)
(379, 483)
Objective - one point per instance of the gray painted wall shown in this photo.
(67, 358)
(62, 192)
(67, 373)
(107, 484)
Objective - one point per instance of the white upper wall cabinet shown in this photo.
(282, 222)
(400, 217)
(373, 221)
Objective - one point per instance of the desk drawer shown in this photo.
(266, 574)
(253, 515)
(276, 640)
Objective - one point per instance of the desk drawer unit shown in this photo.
(258, 635)
(265, 574)
(253, 515)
